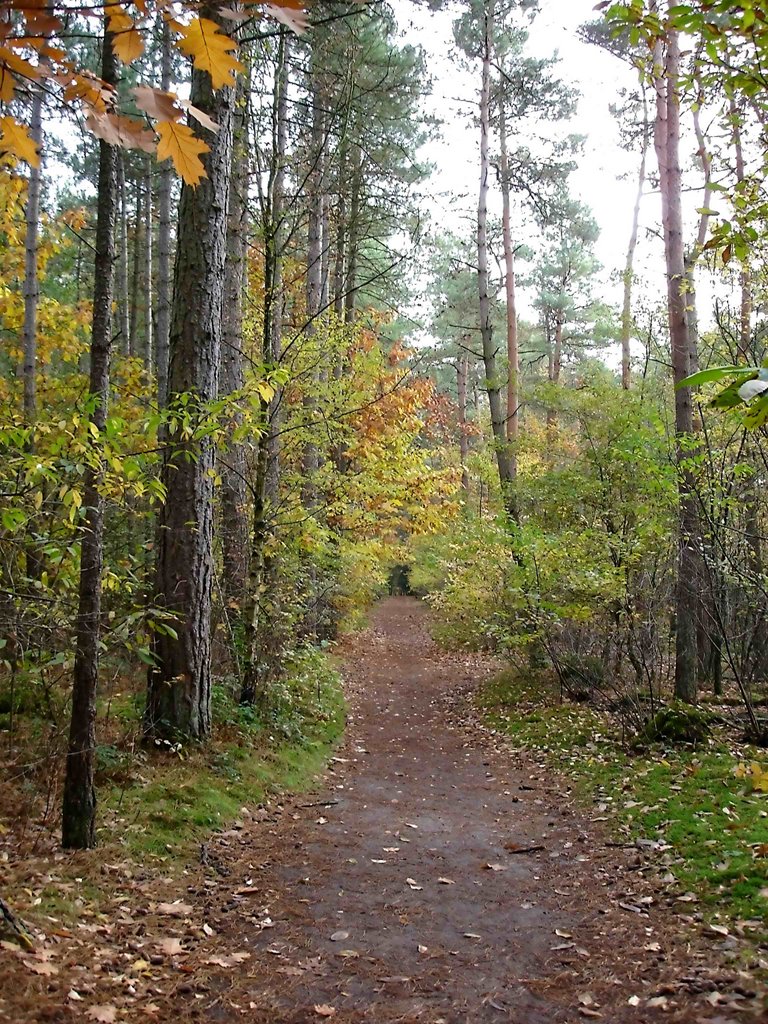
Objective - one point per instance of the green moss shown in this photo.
(172, 802)
(693, 800)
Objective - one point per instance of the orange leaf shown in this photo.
(15, 139)
(179, 143)
(126, 41)
(211, 51)
(6, 84)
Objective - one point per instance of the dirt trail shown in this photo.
(397, 868)
(394, 892)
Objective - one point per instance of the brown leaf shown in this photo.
(323, 1010)
(160, 105)
(105, 1014)
(495, 867)
(174, 909)
(41, 968)
(171, 946)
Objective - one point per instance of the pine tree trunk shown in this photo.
(626, 311)
(492, 384)
(149, 359)
(165, 172)
(462, 368)
(79, 806)
(124, 300)
(179, 685)
(234, 520)
(513, 355)
(667, 140)
(353, 235)
(133, 337)
(31, 295)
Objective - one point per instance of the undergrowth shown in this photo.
(704, 802)
(167, 801)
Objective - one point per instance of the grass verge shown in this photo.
(704, 803)
(167, 802)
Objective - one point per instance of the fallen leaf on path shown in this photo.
(174, 909)
(171, 947)
(471, 935)
(423, 949)
(563, 935)
(74, 996)
(634, 1000)
(586, 1012)
(41, 968)
(339, 936)
(446, 881)
(410, 824)
(348, 954)
(411, 882)
(229, 961)
(495, 867)
(105, 1014)
(323, 1010)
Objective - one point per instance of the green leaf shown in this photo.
(718, 373)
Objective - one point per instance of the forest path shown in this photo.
(437, 876)
(383, 905)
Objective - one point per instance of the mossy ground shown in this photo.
(165, 803)
(697, 800)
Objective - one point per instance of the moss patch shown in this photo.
(703, 802)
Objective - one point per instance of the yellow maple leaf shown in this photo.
(211, 51)
(179, 143)
(126, 41)
(7, 85)
(16, 140)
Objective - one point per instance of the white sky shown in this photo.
(606, 176)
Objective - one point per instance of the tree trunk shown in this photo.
(31, 294)
(259, 593)
(745, 284)
(234, 520)
(667, 140)
(492, 384)
(124, 301)
(353, 234)
(133, 338)
(273, 319)
(462, 368)
(79, 806)
(31, 288)
(513, 355)
(165, 173)
(626, 311)
(179, 684)
(148, 268)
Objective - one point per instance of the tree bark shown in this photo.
(492, 384)
(234, 519)
(124, 300)
(179, 684)
(626, 311)
(31, 295)
(148, 268)
(513, 355)
(163, 235)
(462, 368)
(667, 140)
(31, 288)
(79, 805)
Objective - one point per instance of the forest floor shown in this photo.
(436, 876)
